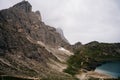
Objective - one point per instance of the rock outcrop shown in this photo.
(60, 31)
(24, 6)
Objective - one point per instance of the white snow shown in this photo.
(65, 51)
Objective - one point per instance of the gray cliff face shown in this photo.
(38, 15)
(24, 5)
(60, 31)
(30, 23)
(20, 30)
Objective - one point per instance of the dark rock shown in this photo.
(24, 5)
(77, 45)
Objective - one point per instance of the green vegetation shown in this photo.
(92, 55)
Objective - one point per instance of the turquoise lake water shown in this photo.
(110, 68)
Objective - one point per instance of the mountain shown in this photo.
(29, 47)
(60, 31)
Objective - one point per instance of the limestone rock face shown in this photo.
(60, 31)
(30, 23)
(22, 39)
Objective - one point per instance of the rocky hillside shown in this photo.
(28, 46)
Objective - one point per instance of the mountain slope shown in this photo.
(26, 42)
(91, 55)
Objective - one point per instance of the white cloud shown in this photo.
(81, 20)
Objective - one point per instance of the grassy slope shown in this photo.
(91, 55)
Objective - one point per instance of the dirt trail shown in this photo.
(93, 74)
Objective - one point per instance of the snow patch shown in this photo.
(65, 51)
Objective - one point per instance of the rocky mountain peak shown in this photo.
(29, 47)
(38, 15)
(60, 31)
(30, 23)
(24, 5)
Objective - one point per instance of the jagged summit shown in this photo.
(24, 5)
(60, 31)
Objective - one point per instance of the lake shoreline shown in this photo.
(92, 74)
(98, 75)
(110, 68)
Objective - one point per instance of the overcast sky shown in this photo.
(81, 20)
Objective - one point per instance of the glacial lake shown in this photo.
(110, 68)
